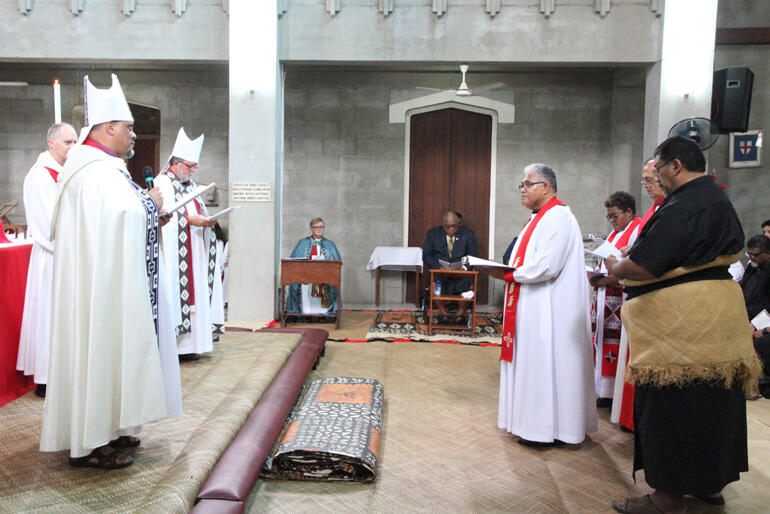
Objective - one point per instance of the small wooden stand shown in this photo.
(310, 272)
(463, 329)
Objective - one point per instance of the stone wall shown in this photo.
(195, 99)
(345, 162)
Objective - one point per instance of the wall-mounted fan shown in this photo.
(464, 90)
(701, 130)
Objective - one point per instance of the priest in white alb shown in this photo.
(608, 328)
(189, 250)
(546, 372)
(105, 379)
(39, 196)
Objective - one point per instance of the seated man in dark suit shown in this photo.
(449, 242)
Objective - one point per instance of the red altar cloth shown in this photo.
(14, 261)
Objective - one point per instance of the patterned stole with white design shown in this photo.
(151, 249)
(186, 283)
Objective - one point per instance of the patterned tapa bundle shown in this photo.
(332, 434)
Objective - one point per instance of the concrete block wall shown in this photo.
(195, 99)
(345, 162)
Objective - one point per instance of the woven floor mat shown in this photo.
(413, 326)
(175, 456)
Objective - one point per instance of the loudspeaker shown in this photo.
(731, 99)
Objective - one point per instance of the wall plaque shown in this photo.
(251, 192)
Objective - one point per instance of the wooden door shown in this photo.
(449, 167)
(147, 146)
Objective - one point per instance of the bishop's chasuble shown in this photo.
(105, 376)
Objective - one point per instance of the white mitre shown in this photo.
(186, 148)
(103, 105)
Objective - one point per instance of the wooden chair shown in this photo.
(310, 272)
(6, 209)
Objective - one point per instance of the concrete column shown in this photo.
(679, 85)
(254, 156)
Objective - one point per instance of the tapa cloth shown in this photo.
(39, 197)
(707, 337)
(105, 374)
(333, 433)
(547, 392)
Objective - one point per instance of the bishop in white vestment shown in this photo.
(39, 196)
(189, 250)
(105, 377)
(546, 386)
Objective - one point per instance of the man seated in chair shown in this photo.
(450, 242)
(318, 299)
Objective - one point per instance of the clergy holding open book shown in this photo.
(546, 370)
(189, 250)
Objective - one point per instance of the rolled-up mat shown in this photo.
(333, 433)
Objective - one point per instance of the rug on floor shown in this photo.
(332, 433)
(413, 326)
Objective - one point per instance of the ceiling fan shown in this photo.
(464, 90)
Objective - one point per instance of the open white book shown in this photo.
(480, 263)
(224, 212)
(605, 248)
(761, 320)
(188, 198)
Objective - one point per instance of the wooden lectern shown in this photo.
(307, 271)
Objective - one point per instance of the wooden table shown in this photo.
(14, 261)
(307, 271)
(396, 258)
(463, 328)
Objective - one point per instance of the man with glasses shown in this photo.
(621, 213)
(319, 299)
(756, 294)
(450, 242)
(691, 361)
(188, 251)
(547, 395)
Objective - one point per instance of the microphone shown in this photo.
(147, 174)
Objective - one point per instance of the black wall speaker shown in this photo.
(731, 99)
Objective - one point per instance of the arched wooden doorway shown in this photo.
(450, 152)
(147, 147)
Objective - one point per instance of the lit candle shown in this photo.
(56, 101)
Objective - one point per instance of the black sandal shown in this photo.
(100, 460)
(125, 441)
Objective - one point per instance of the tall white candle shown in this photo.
(56, 101)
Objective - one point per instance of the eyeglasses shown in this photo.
(318, 226)
(752, 255)
(527, 184)
(612, 217)
(191, 167)
(658, 169)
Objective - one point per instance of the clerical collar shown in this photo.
(99, 146)
(314, 239)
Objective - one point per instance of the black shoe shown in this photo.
(627, 430)
(40, 390)
(539, 444)
(443, 319)
(189, 357)
(604, 403)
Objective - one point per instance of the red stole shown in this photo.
(54, 174)
(512, 296)
(626, 237)
(652, 210)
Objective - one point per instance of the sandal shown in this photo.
(99, 459)
(637, 505)
(717, 499)
(125, 441)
